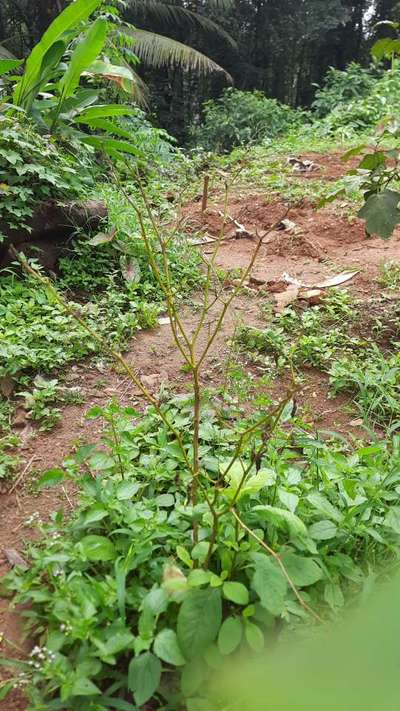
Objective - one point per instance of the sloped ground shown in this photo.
(319, 244)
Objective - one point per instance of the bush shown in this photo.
(127, 608)
(341, 87)
(242, 117)
(362, 113)
(34, 168)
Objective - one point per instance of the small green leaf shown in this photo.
(97, 548)
(52, 477)
(166, 647)
(144, 676)
(84, 687)
(230, 635)
(323, 530)
(236, 592)
(254, 637)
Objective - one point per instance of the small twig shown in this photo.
(22, 475)
(278, 559)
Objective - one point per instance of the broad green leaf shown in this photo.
(386, 47)
(127, 489)
(112, 145)
(5, 689)
(254, 636)
(69, 18)
(198, 577)
(52, 477)
(7, 65)
(156, 601)
(353, 152)
(323, 530)
(192, 677)
(199, 620)
(144, 676)
(236, 592)
(166, 647)
(95, 513)
(373, 160)
(105, 111)
(269, 584)
(83, 55)
(112, 72)
(230, 635)
(282, 517)
(324, 506)
(302, 571)
(102, 238)
(381, 213)
(84, 687)
(392, 519)
(97, 548)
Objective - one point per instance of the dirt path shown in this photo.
(321, 243)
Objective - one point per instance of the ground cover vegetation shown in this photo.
(204, 529)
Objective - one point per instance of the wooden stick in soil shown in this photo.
(204, 201)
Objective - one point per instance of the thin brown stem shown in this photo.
(278, 559)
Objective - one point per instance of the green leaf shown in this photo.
(97, 548)
(199, 620)
(392, 519)
(95, 513)
(386, 47)
(302, 571)
(353, 152)
(111, 145)
(166, 647)
(323, 530)
(254, 637)
(71, 17)
(282, 517)
(269, 584)
(52, 477)
(156, 601)
(236, 592)
(144, 676)
(373, 161)
(7, 65)
(381, 213)
(104, 111)
(325, 507)
(230, 635)
(84, 687)
(5, 689)
(198, 577)
(192, 677)
(83, 55)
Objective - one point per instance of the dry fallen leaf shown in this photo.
(283, 299)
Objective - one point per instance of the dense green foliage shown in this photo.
(34, 169)
(242, 118)
(131, 606)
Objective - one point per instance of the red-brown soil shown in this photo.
(321, 244)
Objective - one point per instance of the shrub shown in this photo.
(341, 87)
(242, 117)
(34, 168)
(127, 607)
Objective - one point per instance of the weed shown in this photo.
(375, 382)
(390, 275)
(123, 576)
(41, 402)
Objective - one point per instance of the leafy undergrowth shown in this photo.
(332, 338)
(126, 608)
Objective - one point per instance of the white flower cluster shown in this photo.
(41, 656)
(33, 519)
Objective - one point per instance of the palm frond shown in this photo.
(175, 15)
(5, 54)
(159, 51)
